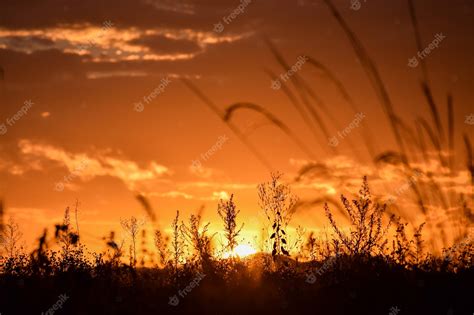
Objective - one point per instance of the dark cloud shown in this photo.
(28, 43)
(143, 13)
(161, 44)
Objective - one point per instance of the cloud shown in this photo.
(88, 166)
(178, 6)
(27, 43)
(216, 195)
(130, 13)
(217, 185)
(162, 45)
(108, 43)
(342, 175)
(174, 194)
(201, 171)
(111, 74)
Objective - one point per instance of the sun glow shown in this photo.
(241, 251)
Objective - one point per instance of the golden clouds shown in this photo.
(85, 167)
(114, 44)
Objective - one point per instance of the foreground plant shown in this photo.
(132, 226)
(198, 238)
(367, 235)
(228, 212)
(161, 244)
(278, 204)
(10, 238)
(177, 244)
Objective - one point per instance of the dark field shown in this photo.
(366, 287)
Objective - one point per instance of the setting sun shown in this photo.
(241, 251)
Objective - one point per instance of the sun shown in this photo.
(242, 250)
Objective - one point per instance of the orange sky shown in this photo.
(85, 66)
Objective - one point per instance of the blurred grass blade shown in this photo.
(232, 127)
(229, 112)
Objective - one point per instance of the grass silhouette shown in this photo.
(372, 266)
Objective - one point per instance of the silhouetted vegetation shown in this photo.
(373, 264)
(278, 203)
(228, 212)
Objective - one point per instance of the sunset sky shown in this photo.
(94, 108)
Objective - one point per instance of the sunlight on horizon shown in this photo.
(241, 251)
